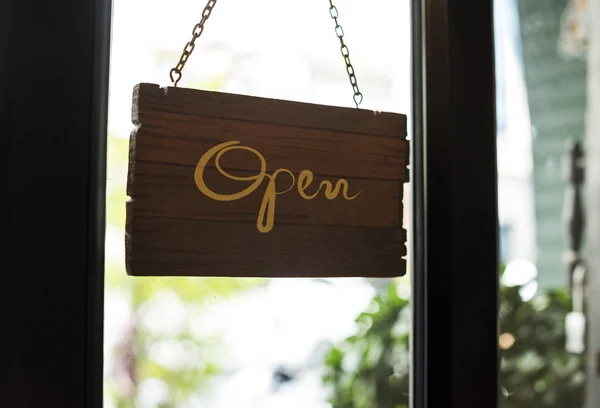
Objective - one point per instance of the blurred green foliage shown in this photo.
(371, 368)
(536, 370)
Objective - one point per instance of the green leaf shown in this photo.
(334, 358)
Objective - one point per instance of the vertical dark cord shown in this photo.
(574, 216)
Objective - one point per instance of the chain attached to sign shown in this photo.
(177, 71)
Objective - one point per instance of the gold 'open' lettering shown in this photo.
(266, 213)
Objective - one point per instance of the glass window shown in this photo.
(542, 106)
(224, 342)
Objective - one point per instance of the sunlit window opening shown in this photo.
(214, 342)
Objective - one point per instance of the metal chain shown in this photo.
(176, 72)
(339, 31)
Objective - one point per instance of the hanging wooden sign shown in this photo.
(232, 185)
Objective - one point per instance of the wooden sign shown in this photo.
(232, 185)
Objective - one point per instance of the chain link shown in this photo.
(339, 32)
(176, 72)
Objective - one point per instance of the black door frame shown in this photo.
(455, 206)
(53, 99)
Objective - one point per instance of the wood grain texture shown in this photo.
(238, 250)
(166, 190)
(158, 103)
(175, 229)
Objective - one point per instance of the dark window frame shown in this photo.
(53, 99)
(455, 207)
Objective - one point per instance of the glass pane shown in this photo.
(542, 101)
(223, 342)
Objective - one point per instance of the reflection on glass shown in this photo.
(212, 342)
(541, 101)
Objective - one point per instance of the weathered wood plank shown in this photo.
(253, 109)
(338, 154)
(237, 250)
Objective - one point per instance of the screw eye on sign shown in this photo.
(232, 185)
